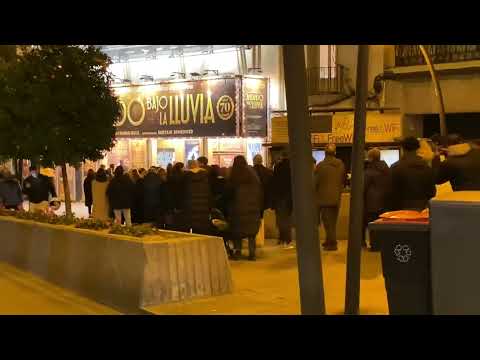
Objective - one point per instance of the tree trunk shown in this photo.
(355, 230)
(20, 170)
(66, 190)
(312, 300)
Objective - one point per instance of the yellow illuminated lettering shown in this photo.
(184, 118)
(201, 108)
(177, 120)
(209, 111)
(194, 106)
(171, 109)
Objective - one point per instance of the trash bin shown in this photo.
(405, 251)
(455, 249)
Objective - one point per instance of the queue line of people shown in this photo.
(182, 199)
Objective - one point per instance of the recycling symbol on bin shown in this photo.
(403, 253)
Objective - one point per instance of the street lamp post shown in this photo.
(438, 90)
(308, 246)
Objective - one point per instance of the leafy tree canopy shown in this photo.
(56, 104)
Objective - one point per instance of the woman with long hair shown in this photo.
(244, 198)
(87, 190)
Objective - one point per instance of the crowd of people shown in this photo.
(182, 199)
(38, 187)
(185, 199)
(412, 181)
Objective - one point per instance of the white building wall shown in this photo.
(225, 61)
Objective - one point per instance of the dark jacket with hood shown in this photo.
(244, 202)
(413, 183)
(10, 192)
(120, 192)
(155, 198)
(198, 199)
(330, 180)
(176, 190)
(377, 186)
(462, 168)
(282, 184)
(138, 202)
(39, 188)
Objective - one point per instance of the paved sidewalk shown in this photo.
(269, 286)
(25, 294)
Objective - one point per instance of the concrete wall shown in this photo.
(120, 271)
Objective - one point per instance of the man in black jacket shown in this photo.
(198, 199)
(413, 183)
(462, 166)
(282, 199)
(38, 189)
(155, 198)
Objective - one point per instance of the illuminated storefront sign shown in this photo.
(255, 94)
(179, 109)
(338, 129)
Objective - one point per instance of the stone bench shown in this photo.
(124, 272)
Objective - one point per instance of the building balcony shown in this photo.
(325, 80)
(447, 59)
(410, 55)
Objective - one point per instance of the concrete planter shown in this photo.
(121, 271)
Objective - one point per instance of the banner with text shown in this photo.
(338, 129)
(179, 109)
(255, 93)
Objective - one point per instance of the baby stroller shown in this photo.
(220, 228)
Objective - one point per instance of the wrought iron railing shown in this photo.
(410, 55)
(325, 80)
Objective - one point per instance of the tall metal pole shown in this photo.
(308, 245)
(438, 90)
(352, 293)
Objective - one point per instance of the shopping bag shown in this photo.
(260, 238)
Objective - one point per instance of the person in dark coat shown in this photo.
(244, 201)
(198, 199)
(10, 191)
(218, 189)
(87, 190)
(138, 198)
(377, 190)
(265, 175)
(462, 166)
(169, 170)
(120, 192)
(177, 203)
(153, 198)
(38, 188)
(413, 183)
(282, 199)
(203, 163)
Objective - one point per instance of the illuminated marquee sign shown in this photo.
(179, 109)
(255, 93)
